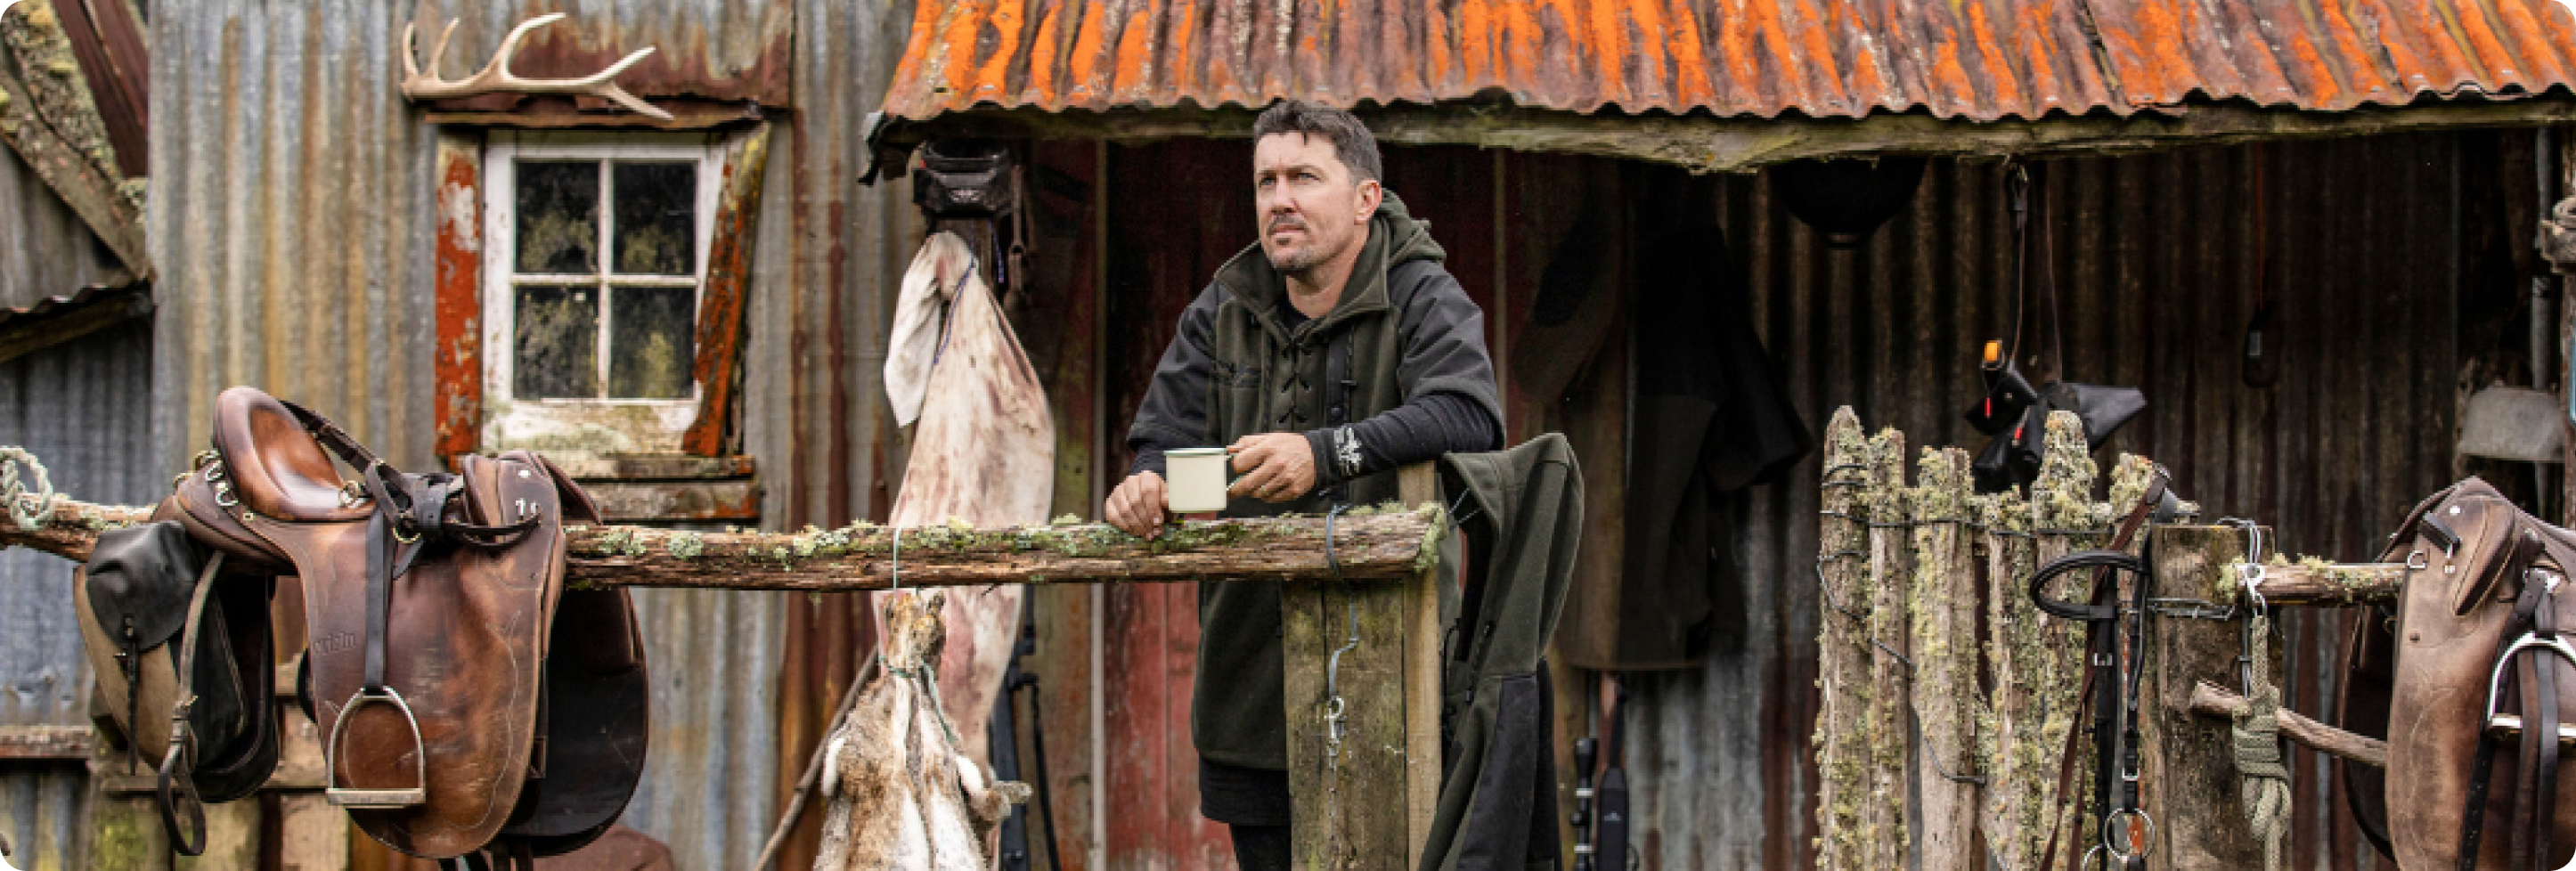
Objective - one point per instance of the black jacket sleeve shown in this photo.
(1450, 403)
(1415, 432)
(1174, 413)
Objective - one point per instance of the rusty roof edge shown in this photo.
(1706, 143)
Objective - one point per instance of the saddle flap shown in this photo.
(140, 577)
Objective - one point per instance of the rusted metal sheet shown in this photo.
(1977, 59)
(711, 50)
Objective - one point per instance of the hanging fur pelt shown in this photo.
(902, 793)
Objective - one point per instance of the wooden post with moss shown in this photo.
(1891, 702)
(2002, 740)
(1365, 800)
(1842, 672)
(1946, 699)
(2038, 661)
(2200, 819)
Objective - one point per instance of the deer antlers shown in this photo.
(495, 76)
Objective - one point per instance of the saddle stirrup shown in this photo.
(379, 600)
(2501, 726)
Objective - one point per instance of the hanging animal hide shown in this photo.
(902, 794)
(983, 453)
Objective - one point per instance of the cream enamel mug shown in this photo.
(1195, 480)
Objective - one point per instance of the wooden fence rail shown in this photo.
(1369, 809)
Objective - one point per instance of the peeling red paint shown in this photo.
(459, 303)
(718, 366)
(1976, 59)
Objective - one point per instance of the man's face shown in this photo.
(1312, 209)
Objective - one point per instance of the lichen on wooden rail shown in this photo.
(2312, 582)
(1377, 542)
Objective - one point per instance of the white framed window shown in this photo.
(595, 249)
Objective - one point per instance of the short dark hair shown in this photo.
(1352, 141)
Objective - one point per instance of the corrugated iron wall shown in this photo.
(2160, 260)
(290, 221)
(83, 409)
(707, 784)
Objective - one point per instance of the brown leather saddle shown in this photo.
(2482, 651)
(435, 605)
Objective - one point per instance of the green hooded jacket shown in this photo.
(1403, 329)
(1521, 516)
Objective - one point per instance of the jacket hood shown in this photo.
(1395, 237)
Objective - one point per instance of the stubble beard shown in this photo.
(1299, 262)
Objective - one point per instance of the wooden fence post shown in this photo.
(1368, 804)
(2038, 670)
(1891, 704)
(2005, 519)
(1842, 673)
(2189, 766)
(1945, 660)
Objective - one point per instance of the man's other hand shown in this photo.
(1276, 467)
(1137, 505)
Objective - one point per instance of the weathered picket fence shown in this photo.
(1943, 689)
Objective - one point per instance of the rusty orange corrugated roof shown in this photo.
(1975, 59)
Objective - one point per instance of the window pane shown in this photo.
(651, 341)
(558, 218)
(558, 344)
(657, 222)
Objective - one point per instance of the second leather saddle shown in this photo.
(2478, 692)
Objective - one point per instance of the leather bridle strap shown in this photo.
(2539, 787)
(2102, 649)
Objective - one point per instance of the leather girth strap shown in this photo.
(174, 782)
(2535, 671)
(410, 518)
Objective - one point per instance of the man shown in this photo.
(1327, 354)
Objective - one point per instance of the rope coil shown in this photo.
(27, 509)
(2265, 779)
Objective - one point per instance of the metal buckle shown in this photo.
(224, 493)
(2137, 848)
(376, 798)
(2418, 560)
